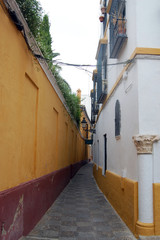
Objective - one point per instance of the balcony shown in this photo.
(102, 91)
(102, 71)
(117, 22)
(117, 35)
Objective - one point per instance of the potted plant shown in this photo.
(103, 10)
(121, 25)
(101, 18)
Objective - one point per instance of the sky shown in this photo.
(75, 31)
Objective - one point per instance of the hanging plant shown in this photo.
(101, 18)
(103, 10)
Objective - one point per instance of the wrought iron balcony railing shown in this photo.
(117, 36)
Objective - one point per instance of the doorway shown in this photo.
(105, 155)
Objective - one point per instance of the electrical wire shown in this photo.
(90, 65)
(21, 28)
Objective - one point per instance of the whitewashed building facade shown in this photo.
(126, 92)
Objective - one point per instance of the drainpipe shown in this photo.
(144, 145)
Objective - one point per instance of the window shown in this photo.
(117, 27)
(117, 118)
(94, 105)
(102, 73)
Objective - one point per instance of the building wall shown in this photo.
(149, 98)
(147, 23)
(40, 146)
(86, 134)
(121, 153)
(136, 86)
(142, 31)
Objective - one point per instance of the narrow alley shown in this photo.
(81, 212)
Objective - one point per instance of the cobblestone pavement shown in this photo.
(81, 212)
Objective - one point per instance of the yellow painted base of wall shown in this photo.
(149, 229)
(156, 200)
(122, 193)
(145, 229)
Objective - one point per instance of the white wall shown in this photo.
(122, 154)
(149, 95)
(149, 105)
(139, 94)
(129, 46)
(147, 23)
(143, 30)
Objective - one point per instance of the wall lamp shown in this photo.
(85, 125)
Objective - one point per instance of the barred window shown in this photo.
(117, 118)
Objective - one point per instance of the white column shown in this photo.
(145, 191)
(144, 144)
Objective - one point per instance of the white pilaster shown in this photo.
(145, 191)
(144, 145)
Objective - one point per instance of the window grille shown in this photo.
(102, 74)
(94, 105)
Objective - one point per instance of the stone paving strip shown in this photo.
(81, 212)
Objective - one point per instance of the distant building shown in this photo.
(126, 112)
(86, 101)
(85, 127)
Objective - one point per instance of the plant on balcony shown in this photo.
(103, 10)
(117, 27)
(101, 18)
(114, 18)
(119, 23)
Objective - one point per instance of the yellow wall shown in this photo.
(86, 134)
(37, 135)
(122, 193)
(156, 201)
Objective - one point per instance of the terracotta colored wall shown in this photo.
(122, 193)
(23, 206)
